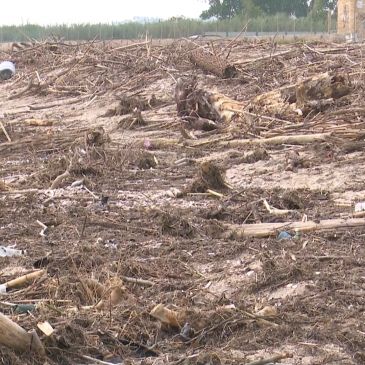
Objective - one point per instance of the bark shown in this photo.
(17, 338)
(213, 63)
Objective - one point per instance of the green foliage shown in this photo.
(173, 28)
(225, 9)
(298, 7)
(319, 9)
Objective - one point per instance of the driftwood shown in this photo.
(289, 102)
(17, 338)
(184, 92)
(323, 86)
(213, 63)
(201, 124)
(273, 229)
(193, 102)
(162, 143)
(278, 101)
(59, 179)
(56, 142)
(23, 279)
(270, 360)
(314, 93)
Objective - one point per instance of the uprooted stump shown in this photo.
(213, 63)
(129, 105)
(209, 177)
(317, 92)
(193, 102)
(176, 226)
(184, 99)
(96, 137)
(133, 120)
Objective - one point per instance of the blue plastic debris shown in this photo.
(284, 235)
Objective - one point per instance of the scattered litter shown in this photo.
(10, 252)
(267, 311)
(283, 235)
(7, 70)
(174, 193)
(165, 315)
(360, 207)
(186, 331)
(46, 328)
(23, 308)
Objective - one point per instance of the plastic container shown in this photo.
(7, 70)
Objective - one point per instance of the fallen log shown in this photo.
(193, 102)
(213, 63)
(273, 229)
(17, 338)
(161, 143)
(278, 140)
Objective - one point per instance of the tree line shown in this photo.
(227, 9)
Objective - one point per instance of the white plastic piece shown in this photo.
(360, 207)
(9, 252)
(7, 70)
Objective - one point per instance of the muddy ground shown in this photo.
(139, 217)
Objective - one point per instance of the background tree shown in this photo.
(298, 7)
(222, 9)
(227, 9)
(319, 8)
(250, 10)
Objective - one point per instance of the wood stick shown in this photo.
(23, 279)
(97, 361)
(28, 191)
(17, 338)
(5, 132)
(278, 140)
(58, 180)
(20, 93)
(265, 58)
(271, 359)
(138, 281)
(272, 229)
(60, 103)
(43, 231)
(261, 320)
(214, 193)
(130, 46)
(161, 143)
(274, 210)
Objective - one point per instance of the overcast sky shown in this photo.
(45, 12)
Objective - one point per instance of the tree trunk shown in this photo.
(212, 63)
(17, 338)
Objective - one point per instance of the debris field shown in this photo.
(196, 201)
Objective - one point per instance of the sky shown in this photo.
(48, 12)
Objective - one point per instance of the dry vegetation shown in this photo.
(129, 196)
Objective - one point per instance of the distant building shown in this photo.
(351, 18)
